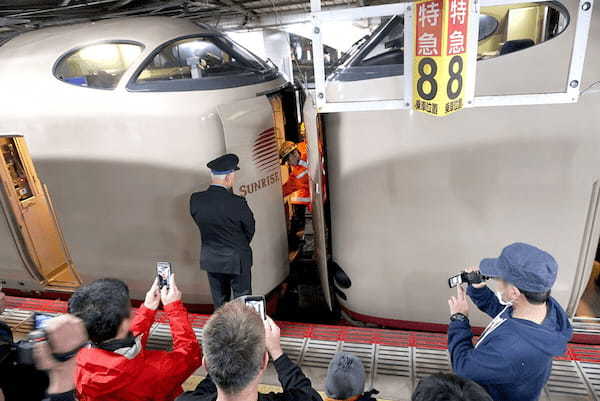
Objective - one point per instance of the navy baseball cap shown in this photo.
(224, 164)
(524, 266)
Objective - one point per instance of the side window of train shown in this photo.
(98, 66)
(519, 26)
(502, 30)
(390, 50)
(191, 59)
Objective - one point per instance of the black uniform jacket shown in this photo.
(296, 386)
(226, 225)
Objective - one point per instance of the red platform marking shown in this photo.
(358, 335)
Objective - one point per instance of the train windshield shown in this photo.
(200, 63)
(98, 66)
(502, 30)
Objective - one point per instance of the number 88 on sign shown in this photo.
(440, 58)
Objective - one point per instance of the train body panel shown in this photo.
(415, 198)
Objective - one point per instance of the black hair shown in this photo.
(536, 298)
(449, 387)
(102, 305)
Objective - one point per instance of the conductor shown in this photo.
(226, 226)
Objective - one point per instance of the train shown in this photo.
(411, 198)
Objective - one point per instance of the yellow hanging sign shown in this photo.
(440, 58)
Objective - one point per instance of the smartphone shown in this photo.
(455, 280)
(258, 303)
(163, 272)
(39, 320)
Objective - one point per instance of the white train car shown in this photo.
(415, 198)
(121, 117)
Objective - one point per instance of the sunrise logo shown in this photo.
(265, 154)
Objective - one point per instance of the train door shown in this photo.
(285, 121)
(34, 227)
(318, 187)
(249, 132)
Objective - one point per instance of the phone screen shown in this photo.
(163, 272)
(258, 303)
(40, 320)
(454, 281)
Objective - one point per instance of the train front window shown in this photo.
(191, 59)
(390, 50)
(200, 63)
(98, 66)
(502, 30)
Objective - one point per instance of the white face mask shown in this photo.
(502, 302)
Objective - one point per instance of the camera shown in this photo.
(467, 277)
(24, 348)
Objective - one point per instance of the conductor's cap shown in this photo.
(224, 164)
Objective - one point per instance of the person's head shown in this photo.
(104, 307)
(233, 345)
(523, 273)
(294, 158)
(223, 168)
(448, 387)
(509, 293)
(289, 153)
(227, 180)
(345, 377)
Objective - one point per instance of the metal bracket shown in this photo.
(573, 82)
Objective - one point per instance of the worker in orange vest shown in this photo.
(297, 186)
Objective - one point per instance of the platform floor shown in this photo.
(394, 359)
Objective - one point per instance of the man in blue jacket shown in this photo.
(513, 358)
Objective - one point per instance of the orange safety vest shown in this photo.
(297, 185)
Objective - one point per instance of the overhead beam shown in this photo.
(72, 7)
(239, 8)
(13, 21)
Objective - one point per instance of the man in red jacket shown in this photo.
(116, 365)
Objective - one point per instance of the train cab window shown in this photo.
(213, 62)
(390, 50)
(502, 30)
(98, 66)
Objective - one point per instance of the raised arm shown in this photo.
(144, 318)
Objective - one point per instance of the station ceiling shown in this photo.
(18, 16)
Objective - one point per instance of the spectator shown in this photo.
(448, 387)
(346, 379)
(513, 358)
(65, 336)
(237, 344)
(116, 366)
(18, 382)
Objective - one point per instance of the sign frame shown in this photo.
(570, 94)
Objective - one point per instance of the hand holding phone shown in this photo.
(170, 294)
(152, 300)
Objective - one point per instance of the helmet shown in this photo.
(286, 148)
